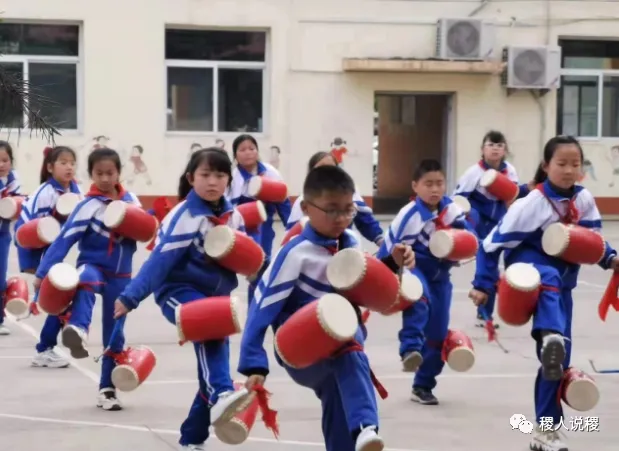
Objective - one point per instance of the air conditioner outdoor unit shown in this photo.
(532, 67)
(464, 39)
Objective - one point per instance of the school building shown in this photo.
(389, 82)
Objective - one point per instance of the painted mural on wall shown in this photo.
(601, 168)
(338, 149)
(274, 151)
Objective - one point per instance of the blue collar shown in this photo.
(199, 207)
(345, 240)
(550, 192)
(73, 188)
(486, 166)
(425, 212)
(247, 175)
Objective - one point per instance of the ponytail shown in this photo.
(540, 175)
(184, 187)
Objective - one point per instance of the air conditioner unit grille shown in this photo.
(463, 39)
(530, 67)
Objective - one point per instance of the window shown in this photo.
(46, 57)
(215, 80)
(588, 100)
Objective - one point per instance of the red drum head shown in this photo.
(523, 277)
(580, 391)
(133, 368)
(9, 207)
(66, 203)
(411, 288)
(346, 269)
(115, 213)
(463, 203)
(63, 276)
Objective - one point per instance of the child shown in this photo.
(487, 209)
(425, 324)
(178, 273)
(364, 220)
(104, 264)
(9, 186)
(296, 277)
(519, 233)
(57, 178)
(245, 152)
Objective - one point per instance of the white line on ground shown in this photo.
(15, 357)
(30, 331)
(162, 431)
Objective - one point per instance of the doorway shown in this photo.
(408, 128)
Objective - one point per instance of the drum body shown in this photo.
(133, 367)
(518, 292)
(130, 221)
(236, 431)
(454, 244)
(573, 244)
(209, 319)
(16, 298)
(234, 250)
(65, 205)
(463, 203)
(38, 233)
(579, 390)
(458, 351)
(58, 289)
(10, 207)
(499, 185)
(295, 230)
(411, 290)
(363, 280)
(316, 331)
(253, 213)
(267, 189)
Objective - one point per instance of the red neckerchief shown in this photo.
(220, 220)
(482, 165)
(95, 192)
(572, 215)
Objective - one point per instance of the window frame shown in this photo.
(215, 65)
(25, 60)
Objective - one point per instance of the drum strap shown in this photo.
(572, 214)
(355, 346)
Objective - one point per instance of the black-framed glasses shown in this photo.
(335, 214)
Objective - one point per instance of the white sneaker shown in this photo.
(4, 330)
(411, 362)
(227, 405)
(49, 359)
(74, 338)
(194, 447)
(369, 440)
(547, 441)
(107, 400)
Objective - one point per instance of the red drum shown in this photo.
(458, 351)
(267, 190)
(316, 331)
(579, 390)
(499, 185)
(517, 293)
(236, 431)
(130, 221)
(253, 214)
(16, 297)
(453, 244)
(10, 207)
(209, 319)
(295, 230)
(66, 203)
(411, 290)
(234, 250)
(38, 233)
(463, 203)
(363, 280)
(573, 243)
(58, 289)
(133, 366)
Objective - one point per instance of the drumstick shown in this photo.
(495, 336)
(117, 326)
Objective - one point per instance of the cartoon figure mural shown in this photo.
(338, 149)
(193, 148)
(613, 157)
(139, 167)
(588, 170)
(220, 143)
(275, 156)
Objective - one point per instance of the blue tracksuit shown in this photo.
(104, 262)
(40, 204)
(177, 271)
(237, 195)
(9, 186)
(519, 233)
(425, 323)
(296, 277)
(486, 210)
(365, 222)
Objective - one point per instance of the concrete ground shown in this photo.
(54, 409)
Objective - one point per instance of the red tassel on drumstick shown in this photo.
(610, 297)
(269, 416)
